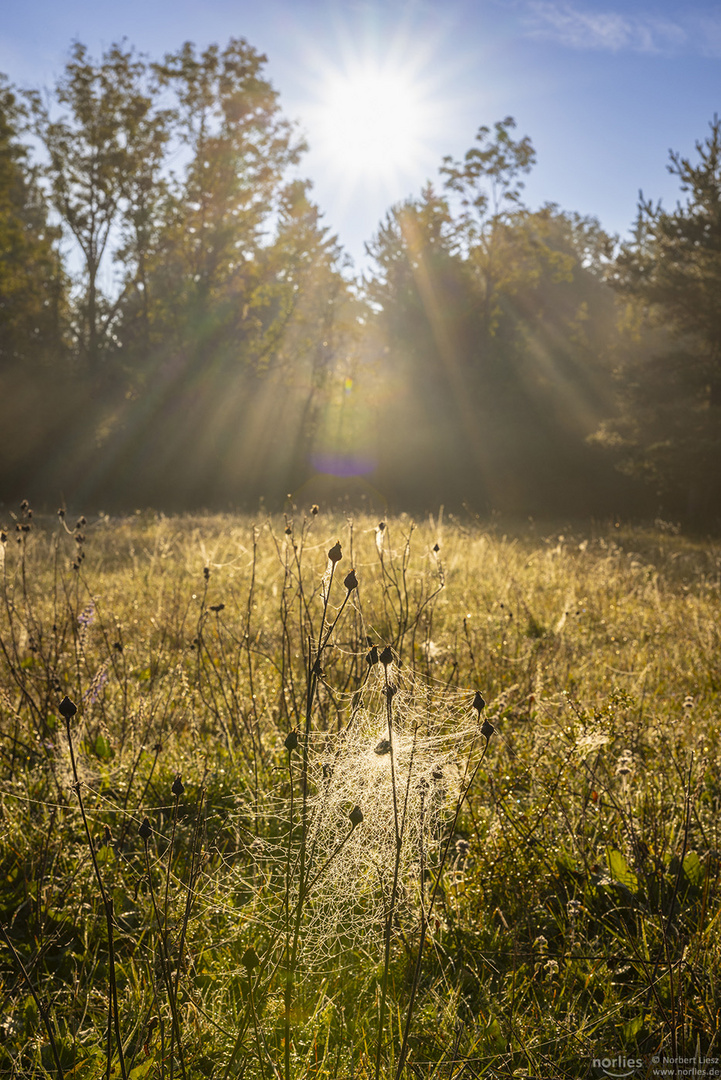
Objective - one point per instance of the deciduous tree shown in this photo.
(103, 156)
(32, 282)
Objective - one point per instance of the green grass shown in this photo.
(512, 905)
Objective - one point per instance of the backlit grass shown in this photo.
(514, 903)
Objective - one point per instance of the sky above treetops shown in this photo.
(383, 89)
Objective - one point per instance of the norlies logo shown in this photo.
(617, 1066)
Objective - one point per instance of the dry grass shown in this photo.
(563, 888)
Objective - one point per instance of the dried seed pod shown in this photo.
(478, 702)
(335, 554)
(291, 740)
(386, 656)
(250, 958)
(178, 787)
(351, 581)
(487, 729)
(372, 656)
(145, 832)
(383, 747)
(355, 816)
(67, 708)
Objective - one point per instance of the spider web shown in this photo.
(434, 737)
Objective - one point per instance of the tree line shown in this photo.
(179, 328)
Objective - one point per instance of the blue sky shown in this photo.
(604, 88)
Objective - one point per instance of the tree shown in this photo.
(240, 290)
(668, 424)
(489, 184)
(496, 321)
(104, 156)
(36, 386)
(240, 148)
(421, 290)
(32, 284)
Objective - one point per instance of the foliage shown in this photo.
(499, 321)
(31, 279)
(669, 274)
(95, 156)
(226, 281)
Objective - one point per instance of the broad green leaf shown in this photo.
(620, 871)
(694, 869)
(102, 748)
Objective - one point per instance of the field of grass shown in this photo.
(327, 797)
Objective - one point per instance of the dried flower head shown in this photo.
(178, 787)
(355, 816)
(335, 554)
(291, 740)
(145, 831)
(250, 958)
(67, 708)
(386, 656)
(351, 581)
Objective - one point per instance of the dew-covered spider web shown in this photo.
(429, 752)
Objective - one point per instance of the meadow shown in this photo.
(323, 796)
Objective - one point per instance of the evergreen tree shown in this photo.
(668, 425)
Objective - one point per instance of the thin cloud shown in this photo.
(610, 31)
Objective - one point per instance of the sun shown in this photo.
(369, 124)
